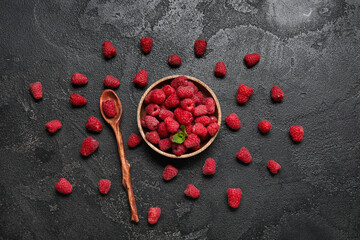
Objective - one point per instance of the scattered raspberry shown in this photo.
(264, 126)
(109, 50)
(210, 105)
(252, 59)
(36, 90)
(154, 215)
(273, 166)
(134, 140)
(296, 133)
(93, 124)
(178, 149)
(198, 98)
(185, 91)
(191, 141)
(244, 92)
(204, 120)
(213, 119)
(200, 47)
(244, 155)
(104, 186)
(89, 146)
(141, 78)
(168, 90)
(174, 61)
(63, 186)
(183, 117)
(179, 81)
(109, 109)
(151, 123)
(172, 101)
(199, 129)
(146, 44)
(170, 172)
(200, 110)
(111, 82)
(164, 113)
(187, 104)
(153, 137)
(234, 197)
(77, 100)
(171, 125)
(79, 79)
(220, 69)
(213, 128)
(53, 126)
(209, 167)
(233, 121)
(158, 96)
(192, 191)
(165, 144)
(152, 109)
(277, 94)
(147, 99)
(188, 128)
(162, 130)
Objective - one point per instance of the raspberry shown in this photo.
(187, 104)
(171, 125)
(146, 44)
(197, 147)
(170, 172)
(143, 124)
(178, 149)
(213, 119)
(162, 130)
(188, 128)
(93, 124)
(273, 166)
(154, 215)
(209, 167)
(53, 126)
(220, 69)
(191, 141)
(165, 144)
(174, 61)
(204, 120)
(244, 155)
(296, 133)
(264, 126)
(77, 100)
(183, 117)
(164, 113)
(151, 123)
(141, 78)
(79, 79)
(152, 109)
(210, 105)
(63, 186)
(109, 50)
(134, 140)
(168, 90)
(200, 47)
(234, 197)
(104, 186)
(233, 121)
(251, 59)
(89, 146)
(158, 96)
(277, 94)
(244, 92)
(147, 99)
(179, 81)
(213, 128)
(199, 130)
(36, 90)
(198, 98)
(185, 91)
(192, 191)
(109, 109)
(172, 101)
(153, 137)
(200, 110)
(111, 82)
(191, 84)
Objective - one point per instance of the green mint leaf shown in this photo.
(178, 139)
(183, 129)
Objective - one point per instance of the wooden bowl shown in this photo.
(206, 91)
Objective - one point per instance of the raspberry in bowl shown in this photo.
(179, 116)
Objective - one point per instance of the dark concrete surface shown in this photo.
(309, 48)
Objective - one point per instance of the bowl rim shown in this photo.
(156, 149)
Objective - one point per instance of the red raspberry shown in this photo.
(179, 81)
(111, 82)
(164, 113)
(151, 123)
(188, 128)
(209, 167)
(152, 109)
(169, 172)
(277, 94)
(89, 146)
(172, 101)
(273, 166)
(296, 133)
(63, 186)
(197, 147)
(165, 144)
(36, 90)
(191, 84)
(220, 69)
(146, 44)
(104, 186)
(199, 129)
(191, 141)
(187, 104)
(204, 120)
(77, 100)
(162, 130)
(185, 91)
(143, 124)
(134, 140)
(174, 61)
(168, 90)
(93, 124)
(200, 110)
(109, 50)
(210, 105)
(178, 149)
(198, 98)
(183, 117)
(158, 96)
(171, 125)
(153, 137)
(154, 215)
(264, 126)
(109, 109)
(252, 59)
(244, 155)
(79, 79)
(244, 92)
(234, 197)
(200, 47)
(53, 126)
(192, 191)
(141, 78)
(213, 119)
(213, 128)
(233, 121)
(147, 99)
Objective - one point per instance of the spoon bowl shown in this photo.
(109, 94)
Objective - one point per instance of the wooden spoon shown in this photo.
(125, 165)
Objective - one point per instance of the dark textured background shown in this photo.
(309, 48)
